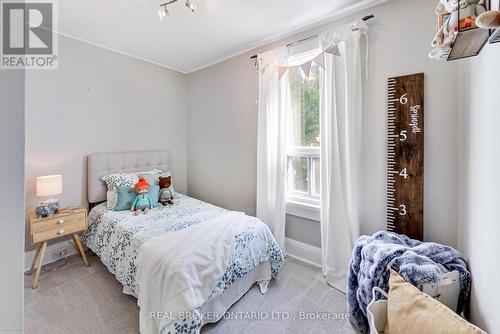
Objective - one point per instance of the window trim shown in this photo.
(309, 153)
(304, 207)
(302, 210)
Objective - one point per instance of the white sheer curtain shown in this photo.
(340, 113)
(339, 55)
(274, 99)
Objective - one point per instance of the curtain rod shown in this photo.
(365, 18)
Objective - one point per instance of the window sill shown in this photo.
(308, 211)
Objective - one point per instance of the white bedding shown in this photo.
(177, 271)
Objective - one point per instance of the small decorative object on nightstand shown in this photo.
(66, 222)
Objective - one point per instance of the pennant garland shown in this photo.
(306, 67)
(293, 71)
(333, 49)
(320, 60)
(281, 71)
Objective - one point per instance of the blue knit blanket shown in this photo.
(417, 262)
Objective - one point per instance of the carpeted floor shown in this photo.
(75, 299)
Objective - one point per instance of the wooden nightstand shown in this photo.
(48, 228)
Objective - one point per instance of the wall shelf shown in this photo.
(468, 43)
(469, 40)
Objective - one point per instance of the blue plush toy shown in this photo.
(142, 202)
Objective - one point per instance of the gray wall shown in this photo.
(479, 180)
(222, 135)
(303, 230)
(12, 200)
(100, 101)
(222, 125)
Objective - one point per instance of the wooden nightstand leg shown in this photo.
(76, 239)
(35, 259)
(39, 264)
(76, 247)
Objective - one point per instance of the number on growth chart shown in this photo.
(403, 173)
(403, 135)
(403, 99)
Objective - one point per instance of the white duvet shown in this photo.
(177, 272)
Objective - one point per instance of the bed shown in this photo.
(117, 237)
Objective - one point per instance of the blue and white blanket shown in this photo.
(117, 236)
(417, 262)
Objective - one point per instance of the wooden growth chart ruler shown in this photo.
(405, 156)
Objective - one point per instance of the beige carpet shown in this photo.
(75, 299)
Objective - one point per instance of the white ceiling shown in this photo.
(186, 41)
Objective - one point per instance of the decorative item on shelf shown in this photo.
(489, 20)
(458, 35)
(47, 186)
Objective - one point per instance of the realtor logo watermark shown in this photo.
(28, 35)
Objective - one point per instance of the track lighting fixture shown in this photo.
(191, 5)
(163, 11)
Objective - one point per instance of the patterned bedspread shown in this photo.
(117, 236)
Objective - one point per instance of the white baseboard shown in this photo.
(303, 252)
(53, 253)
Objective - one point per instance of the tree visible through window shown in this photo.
(304, 134)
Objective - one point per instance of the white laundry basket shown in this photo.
(376, 312)
(446, 290)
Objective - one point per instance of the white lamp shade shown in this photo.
(48, 185)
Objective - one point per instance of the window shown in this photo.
(304, 138)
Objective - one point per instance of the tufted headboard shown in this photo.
(101, 164)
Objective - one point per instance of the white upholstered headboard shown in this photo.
(101, 164)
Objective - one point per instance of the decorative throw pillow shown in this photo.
(126, 196)
(111, 198)
(411, 311)
(154, 193)
(115, 180)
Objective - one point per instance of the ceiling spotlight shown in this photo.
(163, 11)
(191, 5)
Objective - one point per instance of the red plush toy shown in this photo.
(142, 202)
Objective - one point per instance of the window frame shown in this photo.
(308, 205)
(309, 199)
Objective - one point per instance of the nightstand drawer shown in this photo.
(77, 226)
(58, 222)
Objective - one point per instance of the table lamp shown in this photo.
(47, 186)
